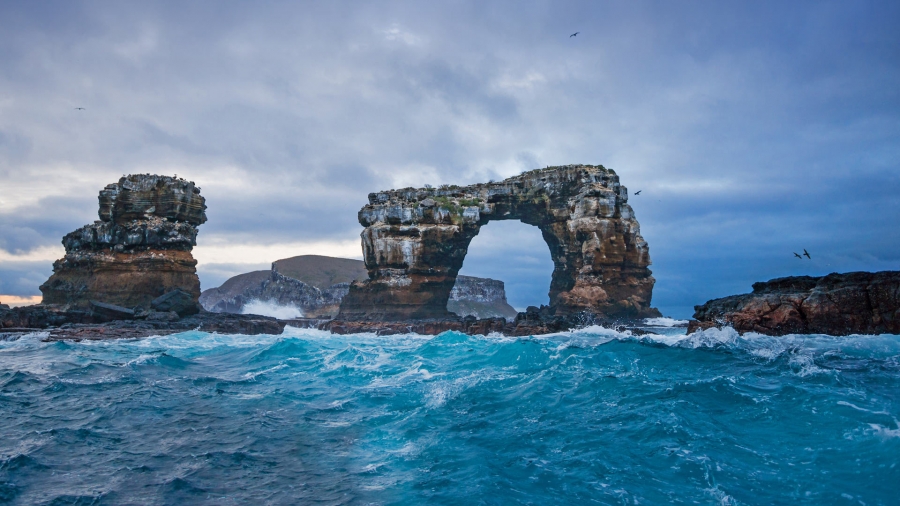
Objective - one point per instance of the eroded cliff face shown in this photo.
(480, 297)
(836, 304)
(415, 241)
(274, 287)
(139, 250)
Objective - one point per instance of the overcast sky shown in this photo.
(753, 129)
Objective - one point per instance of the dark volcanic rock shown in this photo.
(41, 317)
(205, 322)
(138, 196)
(108, 321)
(139, 250)
(415, 241)
(836, 304)
(177, 301)
(272, 286)
(108, 312)
(479, 297)
(316, 285)
(534, 321)
(231, 296)
(80, 325)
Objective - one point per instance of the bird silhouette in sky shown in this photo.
(806, 254)
(574, 34)
(79, 108)
(638, 192)
(798, 256)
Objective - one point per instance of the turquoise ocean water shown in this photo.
(588, 417)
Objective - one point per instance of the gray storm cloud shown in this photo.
(752, 129)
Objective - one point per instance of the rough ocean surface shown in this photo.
(592, 416)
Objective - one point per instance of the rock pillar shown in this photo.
(139, 250)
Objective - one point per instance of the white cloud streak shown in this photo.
(287, 115)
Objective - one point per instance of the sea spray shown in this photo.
(273, 309)
(665, 322)
(592, 415)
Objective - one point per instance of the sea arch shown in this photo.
(415, 240)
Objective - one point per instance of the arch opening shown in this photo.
(512, 253)
(416, 239)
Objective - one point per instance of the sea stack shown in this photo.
(138, 251)
(415, 240)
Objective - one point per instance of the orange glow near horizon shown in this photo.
(16, 301)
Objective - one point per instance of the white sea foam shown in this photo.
(665, 322)
(854, 406)
(885, 432)
(269, 308)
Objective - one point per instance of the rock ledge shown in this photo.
(836, 304)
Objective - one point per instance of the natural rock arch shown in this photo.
(415, 241)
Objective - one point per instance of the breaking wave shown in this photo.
(269, 308)
(593, 415)
(665, 322)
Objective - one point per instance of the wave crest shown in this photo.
(273, 309)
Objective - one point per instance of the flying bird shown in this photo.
(806, 254)
(79, 108)
(638, 192)
(798, 256)
(574, 34)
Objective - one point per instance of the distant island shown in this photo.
(316, 284)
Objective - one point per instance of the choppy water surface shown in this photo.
(589, 417)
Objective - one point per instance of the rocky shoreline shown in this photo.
(92, 325)
(95, 325)
(836, 304)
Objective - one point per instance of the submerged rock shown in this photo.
(415, 241)
(139, 250)
(836, 304)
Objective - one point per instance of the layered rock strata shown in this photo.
(139, 250)
(415, 240)
(836, 304)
